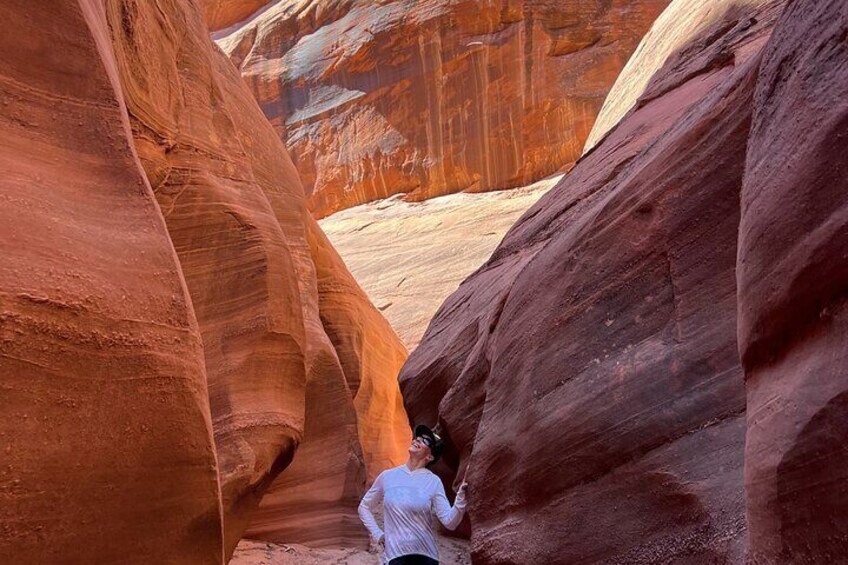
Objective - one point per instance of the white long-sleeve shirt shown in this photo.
(410, 500)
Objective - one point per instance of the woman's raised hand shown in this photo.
(378, 545)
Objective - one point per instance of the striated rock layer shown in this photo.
(136, 322)
(221, 14)
(315, 500)
(105, 425)
(793, 282)
(587, 375)
(241, 246)
(432, 97)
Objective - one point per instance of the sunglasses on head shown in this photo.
(425, 440)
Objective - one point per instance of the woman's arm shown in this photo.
(449, 517)
(371, 498)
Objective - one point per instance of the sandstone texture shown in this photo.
(410, 256)
(430, 97)
(221, 14)
(105, 422)
(315, 500)
(258, 276)
(174, 323)
(793, 277)
(250, 552)
(587, 375)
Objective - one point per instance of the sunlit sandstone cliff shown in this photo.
(375, 98)
(221, 14)
(588, 375)
(175, 327)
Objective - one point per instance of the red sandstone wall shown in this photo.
(793, 276)
(105, 423)
(587, 375)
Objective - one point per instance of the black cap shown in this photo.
(436, 444)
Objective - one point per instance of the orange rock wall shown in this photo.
(224, 13)
(220, 201)
(105, 430)
(236, 213)
(316, 504)
(166, 285)
(432, 97)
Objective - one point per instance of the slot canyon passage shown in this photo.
(602, 245)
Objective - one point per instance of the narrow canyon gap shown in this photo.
(648, 368)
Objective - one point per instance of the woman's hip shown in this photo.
(413, 560)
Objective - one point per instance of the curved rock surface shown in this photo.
(236, 220)
(432, 97)
(284, 362)
(105, 425)
(221, 14)
(587, 375)
(793, 278)
(315, 500)
(672, 31)
(104, 322)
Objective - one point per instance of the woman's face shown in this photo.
(419, 447)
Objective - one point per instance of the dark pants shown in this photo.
(413, 560)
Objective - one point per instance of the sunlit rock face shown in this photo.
(432, 97)
(587, 376)
(221, 14)
(236, 212)
(671, 33)
(175, 326)
(793, 276)
(314, 501)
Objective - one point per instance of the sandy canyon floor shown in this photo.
(250, 552)
(409, 256)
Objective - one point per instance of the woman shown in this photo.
(411, 495)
